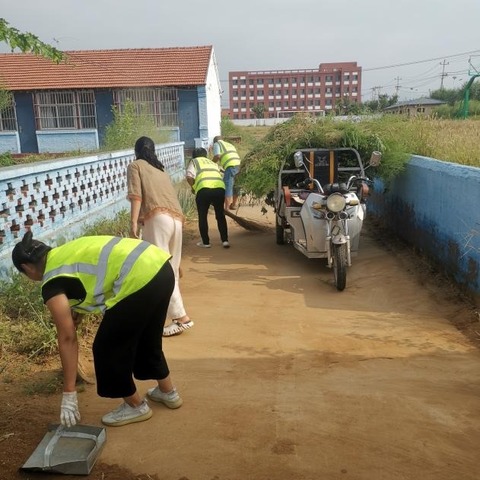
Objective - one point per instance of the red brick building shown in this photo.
(282, 93)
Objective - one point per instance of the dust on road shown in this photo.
(283, 377)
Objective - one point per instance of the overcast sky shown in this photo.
(402, 45)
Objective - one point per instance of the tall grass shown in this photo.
(396, 137)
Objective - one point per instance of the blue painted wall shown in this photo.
(434, 206)
(58, 141)
(9, 142)
(190, 128)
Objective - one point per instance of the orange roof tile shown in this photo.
(146, 67)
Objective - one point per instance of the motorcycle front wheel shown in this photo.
(340, 265)
(279, 231)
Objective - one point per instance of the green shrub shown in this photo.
(118, 226)
(186, 199)
(6, 159)
(128, 126)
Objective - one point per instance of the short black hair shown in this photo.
(199, 152)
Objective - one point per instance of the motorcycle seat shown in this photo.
(335, 187)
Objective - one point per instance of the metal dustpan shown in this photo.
(72, 451)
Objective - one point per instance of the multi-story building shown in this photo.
(282, 93)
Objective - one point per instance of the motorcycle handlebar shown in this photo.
(355, 179)
(304, 183)
(308, 181)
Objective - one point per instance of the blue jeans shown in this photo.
(229, 180)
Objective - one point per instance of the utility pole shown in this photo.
(443, 75)
(397, 86)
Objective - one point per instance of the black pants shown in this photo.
(129, 339)
(216, 197)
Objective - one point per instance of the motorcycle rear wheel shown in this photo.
(340, 266)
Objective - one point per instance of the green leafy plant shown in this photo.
(186, 199)
(6, 159)
(28, 42)
(128, 126)
(118, 226)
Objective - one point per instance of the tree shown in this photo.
(259, 110)
(344, 106)
(28, 43)
(383, 101)
(447, 95)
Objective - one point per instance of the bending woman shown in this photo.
(130, 282)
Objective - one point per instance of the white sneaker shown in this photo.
(203, 245)
(171, 399)
(125, 414)
(226, 245)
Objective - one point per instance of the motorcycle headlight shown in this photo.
(336, 202)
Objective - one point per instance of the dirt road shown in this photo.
(284, 378)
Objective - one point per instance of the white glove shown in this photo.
(69, 414)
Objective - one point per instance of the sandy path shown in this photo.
(283, 377)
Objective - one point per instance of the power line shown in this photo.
(419, 61)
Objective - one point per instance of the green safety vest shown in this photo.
(207, 174)
(110, 268)
(228, 155)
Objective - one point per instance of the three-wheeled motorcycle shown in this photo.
(320, 205)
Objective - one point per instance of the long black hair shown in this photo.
(145, 149)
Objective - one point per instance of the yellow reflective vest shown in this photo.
(110, 268)
(207, 174)
(228, 155)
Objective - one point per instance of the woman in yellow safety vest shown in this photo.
(130, 282)
(226, 155)
(205, 178)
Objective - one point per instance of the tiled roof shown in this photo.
(146, 67)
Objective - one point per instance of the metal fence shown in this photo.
(57, 199)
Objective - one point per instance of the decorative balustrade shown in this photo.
(55, 199)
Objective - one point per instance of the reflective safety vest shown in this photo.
(110, 268)
(228, 155)
(207, 174)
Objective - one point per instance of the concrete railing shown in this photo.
(434, 206)
(57, 199)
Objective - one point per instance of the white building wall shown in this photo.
(214, 97)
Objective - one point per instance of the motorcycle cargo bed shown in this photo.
(71, 451)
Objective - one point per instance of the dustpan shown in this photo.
(72, 451)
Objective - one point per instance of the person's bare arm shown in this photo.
(134, 214)
(67, 339)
